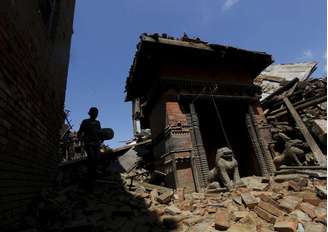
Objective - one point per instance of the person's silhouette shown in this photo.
(89, 133)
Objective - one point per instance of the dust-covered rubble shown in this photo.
(113, 204)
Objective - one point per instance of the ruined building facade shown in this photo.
(35, 39)
(196, 98)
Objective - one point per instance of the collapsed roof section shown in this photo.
(277, 75)
(154, 50)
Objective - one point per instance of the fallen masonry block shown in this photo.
(241, 228)
(184, 205)
(255, 183)
(289, 203)
(265, 215)
(237, 199)
(259, 193)
(165, 197)
(260, 186)
(222, 221)
(300, 216)
(129, 160)
(240, 214)
(210, 209)
(292, 185)
(308, 209)
(269, 200)
(193, 220)
(289, 225)
(249, 200)
(251, 219)
(312, 199)
(314, 227)
(153, 195)
(172, 210)
(320, 213)
(270, 208)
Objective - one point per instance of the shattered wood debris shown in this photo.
(296, 113)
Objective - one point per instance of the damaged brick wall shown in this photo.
(34, 55)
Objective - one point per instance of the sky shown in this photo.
(106, 33)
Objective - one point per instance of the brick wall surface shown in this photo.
(33, 73)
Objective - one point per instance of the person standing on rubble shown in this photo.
(89, 134)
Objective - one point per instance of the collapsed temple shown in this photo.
(197, 98)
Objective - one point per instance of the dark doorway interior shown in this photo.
(233, 113)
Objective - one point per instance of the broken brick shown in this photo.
(222, 220)
(165, 198)
(153, 195)
(289, 203)
(240, 214)
(286, 226)
(249, 200)
(172, 210)
(265, 215)
(270, 208)
(320, 213)
(300, 216)
(312, 199)
(198, 196)
(292, 185)
(269, 200)
(314, 227)
(308, 209)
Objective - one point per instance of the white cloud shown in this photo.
(228, 4)
(308, 54)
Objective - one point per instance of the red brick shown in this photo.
(222, 221)
(308, 209)
(270, 208)
(292, 185)
(249, 200)
(286, 226)
(289, 203)
(268, 199)
(265, 215)
(314, 227)
(312, 199)
(320, 213)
